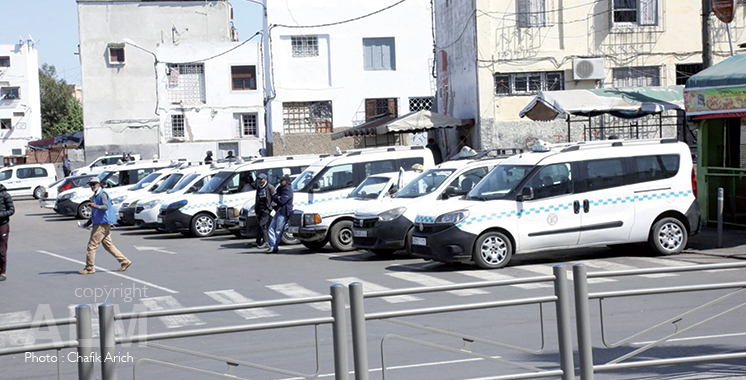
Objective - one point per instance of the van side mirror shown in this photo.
(192, 189)
(393, 190)
(527, 194)
(315, 187)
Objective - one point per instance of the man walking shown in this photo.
(6, 210)
(263, 209)
(102, 217)
(66, 166)
(282, 203)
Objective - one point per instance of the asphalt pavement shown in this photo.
(731, 244)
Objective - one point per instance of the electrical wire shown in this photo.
(216, 55)
(341, 22)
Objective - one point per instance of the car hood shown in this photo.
(429, 214)
(372, 209)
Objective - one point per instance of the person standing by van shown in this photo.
(102, 217)
(6, 210)
(263, 208)
(66, 166)
(282, 203)
(208, 158)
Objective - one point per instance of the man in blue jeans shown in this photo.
(282, 203)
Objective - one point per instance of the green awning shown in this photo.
(730, 72)
(719, 91)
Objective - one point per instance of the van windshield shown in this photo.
(303, 180)
(184, 183)
(499, 182)
(370, 188)
(331, 178)
(146, 181)
(425, 184)
(169, 183)
(231, 182)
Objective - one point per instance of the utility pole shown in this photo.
(706, 35)
(269, 91)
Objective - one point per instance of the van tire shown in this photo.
(289, 239)
(492, 250)
(314, 245)
(202, 225)
(668, 236)
(38, 192)
(84, 212)
(340, 236)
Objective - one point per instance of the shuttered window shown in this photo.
(379, 54)
(530, 13)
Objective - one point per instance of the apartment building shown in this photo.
(20, 105)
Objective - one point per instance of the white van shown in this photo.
(334, 177)
(572, 195)
(114, 179)
(386, 226)
(97, 166)
(28, 179)
(195, 214)
(313, 223)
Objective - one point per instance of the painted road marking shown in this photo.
(369, 287)
(172, 321)
(427, 280)
(294, 290)
(230, 296)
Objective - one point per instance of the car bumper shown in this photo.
(309, 233)
(381, 235)
(249, 226)
(174, 221)
(694, 217)
(66, 207)
(147, 218)
(443, 243)
(231, 224)
(126, 216)
(47, 202)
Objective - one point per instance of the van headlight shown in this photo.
(311, 219)
(452, 217)
(150, 204)
(118, 200)
(176, 205)
(391, 214)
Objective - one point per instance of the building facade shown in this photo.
(494, 57)
(339, 63)
(168, 78)
(20, 104)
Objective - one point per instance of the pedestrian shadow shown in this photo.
(59, 272)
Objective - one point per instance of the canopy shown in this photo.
(412, 122)
(624, 102)
(718, 91)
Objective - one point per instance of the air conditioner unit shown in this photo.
(588, 68)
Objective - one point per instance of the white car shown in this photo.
(27, 179)
(50, 192)
(99, 164)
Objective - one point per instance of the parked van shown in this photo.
(195, 214)
(50, 192)
(115, 179)
(97, 166)
(571, 195)
(28, 179)
(312, 224)
(386, 226)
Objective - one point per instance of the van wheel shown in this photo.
(383, 252)
(340, 236)
(668, 236)
(237, 233)
(202, 225)
(314, 245)
(84, 212)
(492, 250)
(38, 192)
(289, 239)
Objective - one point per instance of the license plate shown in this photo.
(359, 233)
(160, 220)
(241, 223)
(292, 230)
(419, 241)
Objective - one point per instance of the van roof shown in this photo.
(362, 155)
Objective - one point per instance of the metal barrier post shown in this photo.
(359, 339)
(84, 334)
(108, 343)
(339, 332)
(564, 334)
(583, 320)
(721, 201)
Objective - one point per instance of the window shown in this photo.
(5, 61)
(31, 172)
(683, 72)
(5, 124)
(246, 124)
(186, 83)
(19, 114)
(11, 93)
(177, 126)
(653, 168)
(636, 76)
(634, 12)
(529, 83)
(6, 174)
(243, 77)
(530, 13)
(552, 180)
(604, 174)
(336, 177)
(468, 179)
(379, 54)
(419, 104)
(116, 54)
(305, 46)
(377, 167)
(377, 108)
(307, 117)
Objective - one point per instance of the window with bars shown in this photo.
(243, 77)
(307, 117)
(177, 126)
(247, 124)
(419, 104)
(641, 76)
(634, 12)
(685, 71)
(529, 83)
(530, 13)
(377, 108)
(305, 46)
(379, 54)
(11, 93)
(186, 83)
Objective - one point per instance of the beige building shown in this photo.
(495, 56)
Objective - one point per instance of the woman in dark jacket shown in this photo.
(6, 210)
(282, 203)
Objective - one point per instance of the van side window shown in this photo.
(604, 174)
(407, 163)
(336, 177)
(377, 167)
(25, 173)
(6, 174)
(653, 168)
(552, 180)
(468, 179)
(40, 172)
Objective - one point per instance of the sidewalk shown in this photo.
(706, 242)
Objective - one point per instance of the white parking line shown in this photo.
(230, 296)
(371, 287)
(427, 280)
(496, 276)
(172, 321)
(99, 269)
(294, 290)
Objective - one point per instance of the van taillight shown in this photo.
(694, 182)
(67, 186)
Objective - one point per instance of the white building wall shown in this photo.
(23, 112)
(122, 110)
(338, 74)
